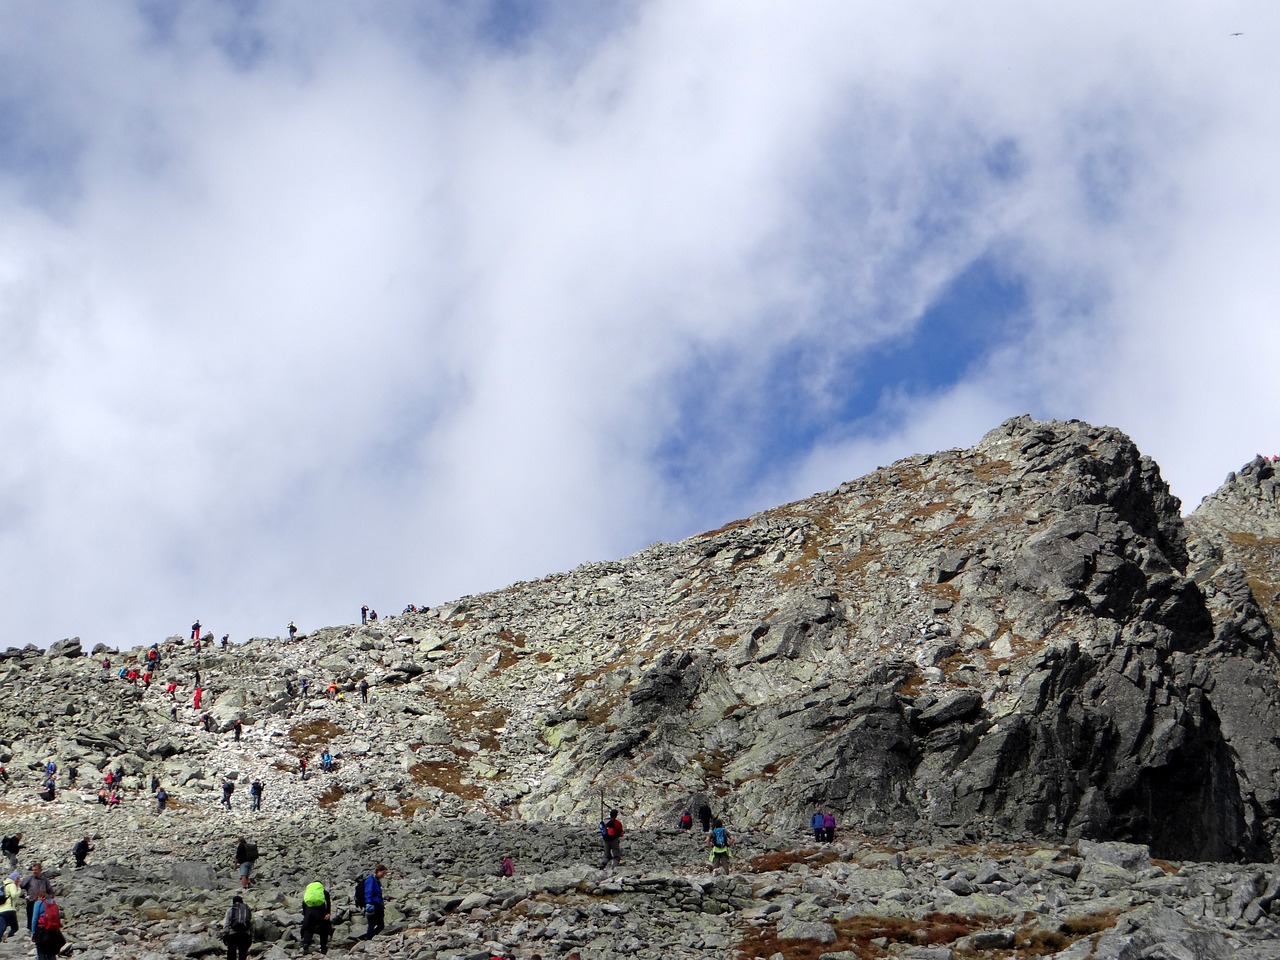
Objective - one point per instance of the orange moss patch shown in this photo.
(856, 934)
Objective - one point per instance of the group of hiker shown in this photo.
(317, 908)
(43, 915)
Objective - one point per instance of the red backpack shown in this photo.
(50, 919)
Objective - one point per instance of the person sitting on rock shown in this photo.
(116, 798)
(316, 910)
(47, 791)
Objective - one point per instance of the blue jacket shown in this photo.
(816, 820)
(372, 891)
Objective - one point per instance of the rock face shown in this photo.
(1022, 642)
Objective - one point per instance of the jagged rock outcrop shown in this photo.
(1022, 642)
(1015, 640)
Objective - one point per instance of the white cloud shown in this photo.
(300, 310)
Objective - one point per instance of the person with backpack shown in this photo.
(9, 897)
(162, 797)
(326, 761)
(364, 690)
(704, 817)
(228, 788)
(507, 868)
(373, 906)
(611, 836)
(719, 841)
(81, 851)
(46, 927)
(237, 929)
(316, 911)
(686, 821)
(10, 847)
(34, 885)
(246, 857)
(255, 795)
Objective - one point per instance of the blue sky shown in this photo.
(306, 306)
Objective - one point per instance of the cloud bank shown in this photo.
(303, 307)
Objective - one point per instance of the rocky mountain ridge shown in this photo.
(1017, 643)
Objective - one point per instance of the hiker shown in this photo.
(507, 868)
(829, 826)
(326, 761)
(686, 821)
(162, 797)
(364, 614)
(113, 801)
(171, 688)
(315, 916)
(103, 795)
(226, 640)
(704, 817)
(228, 788)
(246, 857)
(302, 765)
(373, 616)
(236, 729)
(305, 685)
(81, 851)
(46, 926)
(816, 823)
(293, 631)
(255, 795)
(73, 774)
(197, 697)
(611, 835)
(47, 791)
(364, 690)
(9, 897)
(719, 841)
(332, 689)
(10, 846)
(237, 929)
(195, 631)
(288, 687)
(33, 885)
(50, 769)
(374, 909)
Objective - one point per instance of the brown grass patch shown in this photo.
(397, 807)
(781, 859)
(445, 775)
(856, 934)
(309, 734)
(330, 797)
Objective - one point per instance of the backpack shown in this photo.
(250, 851)
(359, 894)
(720, 837)
(9, 845)
(313, 896)
(239, 918)
(612, 829)
(50, 919)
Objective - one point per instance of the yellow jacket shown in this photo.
(12, 897)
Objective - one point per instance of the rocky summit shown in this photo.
(1041, 705)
